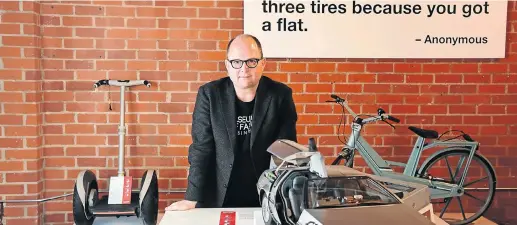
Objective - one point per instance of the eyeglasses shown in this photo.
(251, 63)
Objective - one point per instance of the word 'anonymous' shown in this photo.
(320, 7)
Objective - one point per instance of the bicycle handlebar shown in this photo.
(396, 120)
(382, 115)
(122, 83)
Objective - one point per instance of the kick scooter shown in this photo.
(455, 187)
(144, 202)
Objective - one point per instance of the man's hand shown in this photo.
(181, 205)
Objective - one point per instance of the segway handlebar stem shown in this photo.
(122, 127)
(122, 83)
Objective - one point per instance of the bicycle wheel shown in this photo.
(480, 169)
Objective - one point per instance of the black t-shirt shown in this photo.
(242, 191)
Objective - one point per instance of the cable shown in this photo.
(368, 115)
(449, 132)
(339, 125)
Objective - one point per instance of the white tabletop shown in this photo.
(209, 216)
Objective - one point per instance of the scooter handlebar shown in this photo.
(122, 83)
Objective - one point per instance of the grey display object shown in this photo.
(400, 202)
(414, 195)
(398, 214)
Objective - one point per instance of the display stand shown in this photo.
(245, 216)
(209, 216)
(429, 209)
(457, 216)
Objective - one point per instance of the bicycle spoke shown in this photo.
(475, 181)
(449, 168)
(445, 208)
(472, 196)
(461, 208)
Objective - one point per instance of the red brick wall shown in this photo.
(21, 118)
(53, 124)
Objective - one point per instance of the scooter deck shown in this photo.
(123, 220)
(102, 208)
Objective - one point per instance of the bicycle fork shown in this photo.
(348, 151)
(348, 155)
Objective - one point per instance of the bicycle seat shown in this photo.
(431, 134)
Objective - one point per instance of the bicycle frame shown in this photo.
(381, 167)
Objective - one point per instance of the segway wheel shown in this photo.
(85, 196)
(149, 198)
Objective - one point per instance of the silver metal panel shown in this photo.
(417, 196)
(398, 214)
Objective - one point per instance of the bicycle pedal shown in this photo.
(430, 177)
(437, 179)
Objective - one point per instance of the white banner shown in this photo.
(378, 29)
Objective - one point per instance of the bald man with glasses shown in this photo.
(235, 120)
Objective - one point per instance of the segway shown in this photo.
(143, 203)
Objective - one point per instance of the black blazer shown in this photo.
(211, 153)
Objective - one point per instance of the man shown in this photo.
(235, 120)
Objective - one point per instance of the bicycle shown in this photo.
(439, 187)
